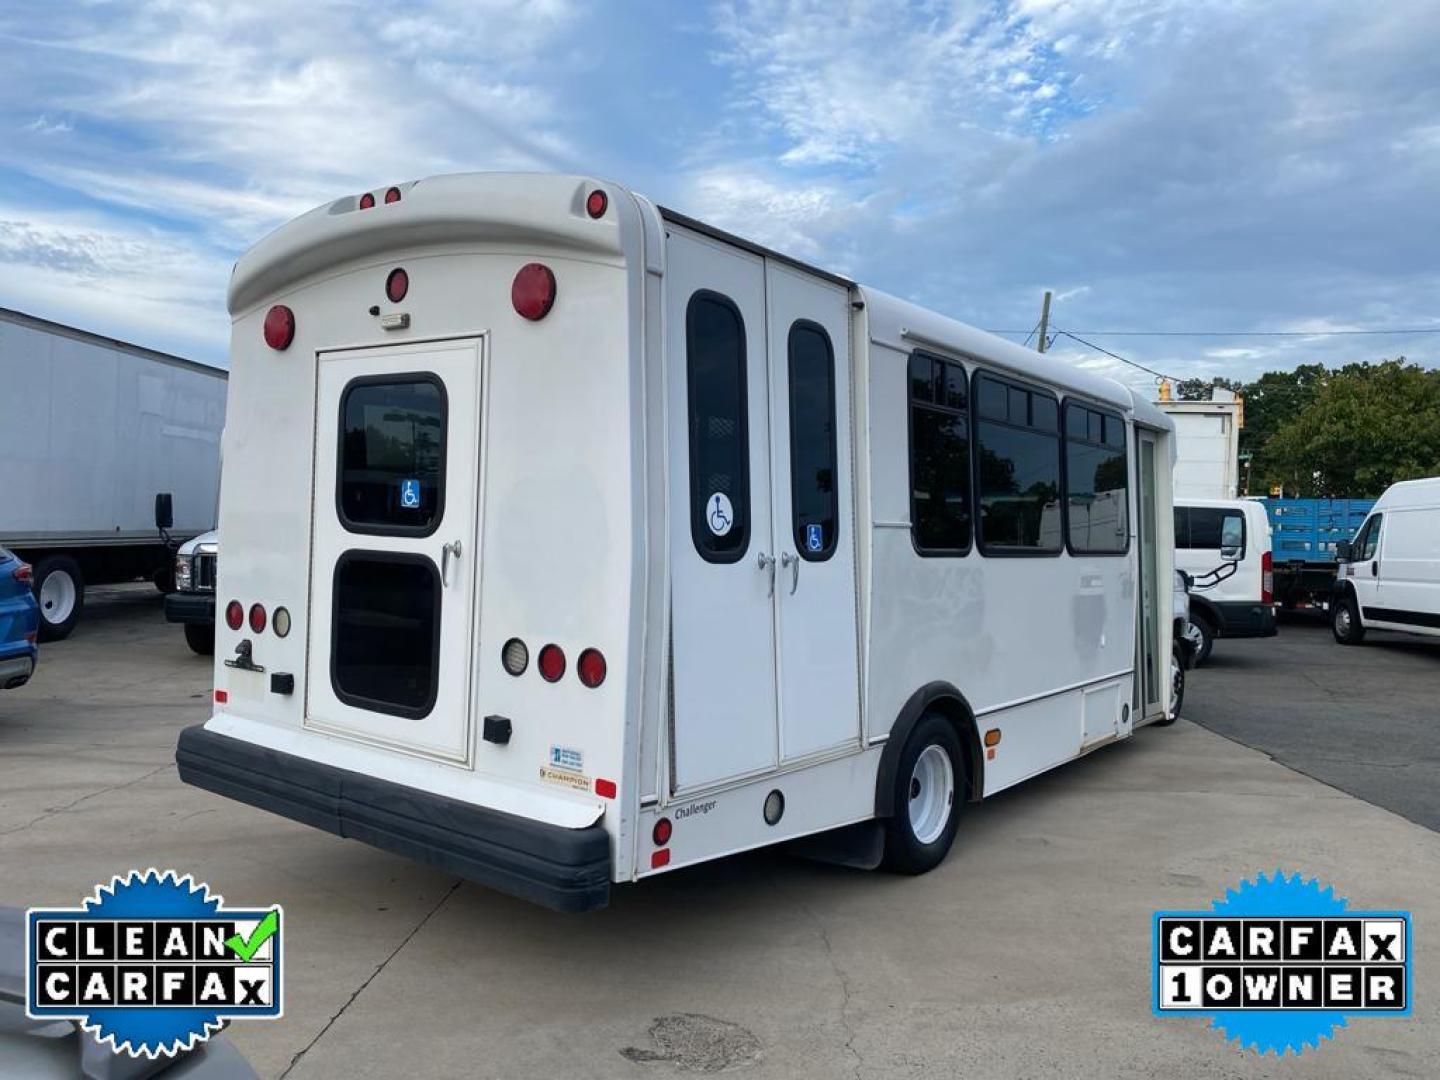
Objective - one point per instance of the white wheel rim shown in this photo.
(1342, 620)
(932, 794)
(1193, 635)
(57, 597)
(1177, 678)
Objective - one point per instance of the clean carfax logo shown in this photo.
(152, 963)
(1279, 963)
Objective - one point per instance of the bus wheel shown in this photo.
(1177, 690)
(60, 592)
(1345, 621)
(930, 790)
(1201, 636)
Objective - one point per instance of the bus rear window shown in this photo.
(392, 455)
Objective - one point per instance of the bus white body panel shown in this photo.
(700, 461)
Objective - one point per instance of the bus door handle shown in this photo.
(793, 562)
(452, 548)
(1375, 568)
(767, 562)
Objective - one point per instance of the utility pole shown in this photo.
(1044, 319)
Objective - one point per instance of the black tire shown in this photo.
(1345, 621)
(1177, 679)
(1207, 639)
(55, 622)
(905, 853)
(201, 638)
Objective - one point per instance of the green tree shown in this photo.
(1359, 429)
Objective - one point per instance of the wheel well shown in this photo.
(1203, 610)
(942, 698)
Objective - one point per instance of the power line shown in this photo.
(1242, 333)
(1116, 356)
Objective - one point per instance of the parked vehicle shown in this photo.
(19, 622)
(570, 541)
(1390, 574)
(193, 601)
(1224, 545)
(1182, 653)
(1305, 533)
(92, 432)
(1207, 444)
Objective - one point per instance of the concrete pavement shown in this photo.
(1025, 954)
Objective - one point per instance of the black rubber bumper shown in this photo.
(563, 869)
(190, 608)
(1247, 620)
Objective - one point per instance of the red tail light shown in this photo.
(552, 663)
(661, 833)
(234, 615)
(221, 697)
(533, 291)
(279, 327)
(659, 858)
(605, 788)
(597, 202)
(23, 572)
(591, 667)
(1267, 579)
(257, 618)
(367, 201)
(397, 285)
(392, 195)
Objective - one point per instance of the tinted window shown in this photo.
(1019, 469)
(1096, 481)
(939, 456)
(719, 436)
(815, 504)
(386, 634)
(392, 454)
(1368, 541)
(1207, 527)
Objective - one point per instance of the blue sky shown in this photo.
(1171, 165)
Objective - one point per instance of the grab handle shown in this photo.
(452, 548)
(793, 562)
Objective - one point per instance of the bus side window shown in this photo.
(719, 428)
(1018, 469)
(814, 498)
(940, 522)
(1096, 482)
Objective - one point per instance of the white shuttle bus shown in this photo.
(569, 541)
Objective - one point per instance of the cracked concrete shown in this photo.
(1025, 954)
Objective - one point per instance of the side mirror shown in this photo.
(164, 510)
(1230, 552)
(1343, 550)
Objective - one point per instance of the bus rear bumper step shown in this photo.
(563, 869)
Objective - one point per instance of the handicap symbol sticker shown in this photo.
(719, 514)
(410, 494)
(814, 539)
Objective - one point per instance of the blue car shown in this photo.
(19, 622)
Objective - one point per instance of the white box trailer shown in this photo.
(1207, 445)
(91, 431)
(569, 541)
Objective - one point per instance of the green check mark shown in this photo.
(244, 948)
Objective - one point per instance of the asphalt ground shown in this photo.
(1364, 719)
(1026, 954)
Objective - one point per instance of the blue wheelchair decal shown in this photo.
(410, 494)
(814, 539)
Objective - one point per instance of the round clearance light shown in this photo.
(392, 194)
(774, 807)
(516, 657)
(257, 618)
(662, 831)
(596, 203)
(280, 621)
(397, 285)
(234, 615)
(591, 667)
(367, 201)
(552, 663)
(533, 291)
(279, 327)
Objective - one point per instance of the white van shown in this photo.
(1224, 546)
(569, 541)
(1389, 577)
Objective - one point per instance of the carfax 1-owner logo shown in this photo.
(1280, 963)
(152, 963)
